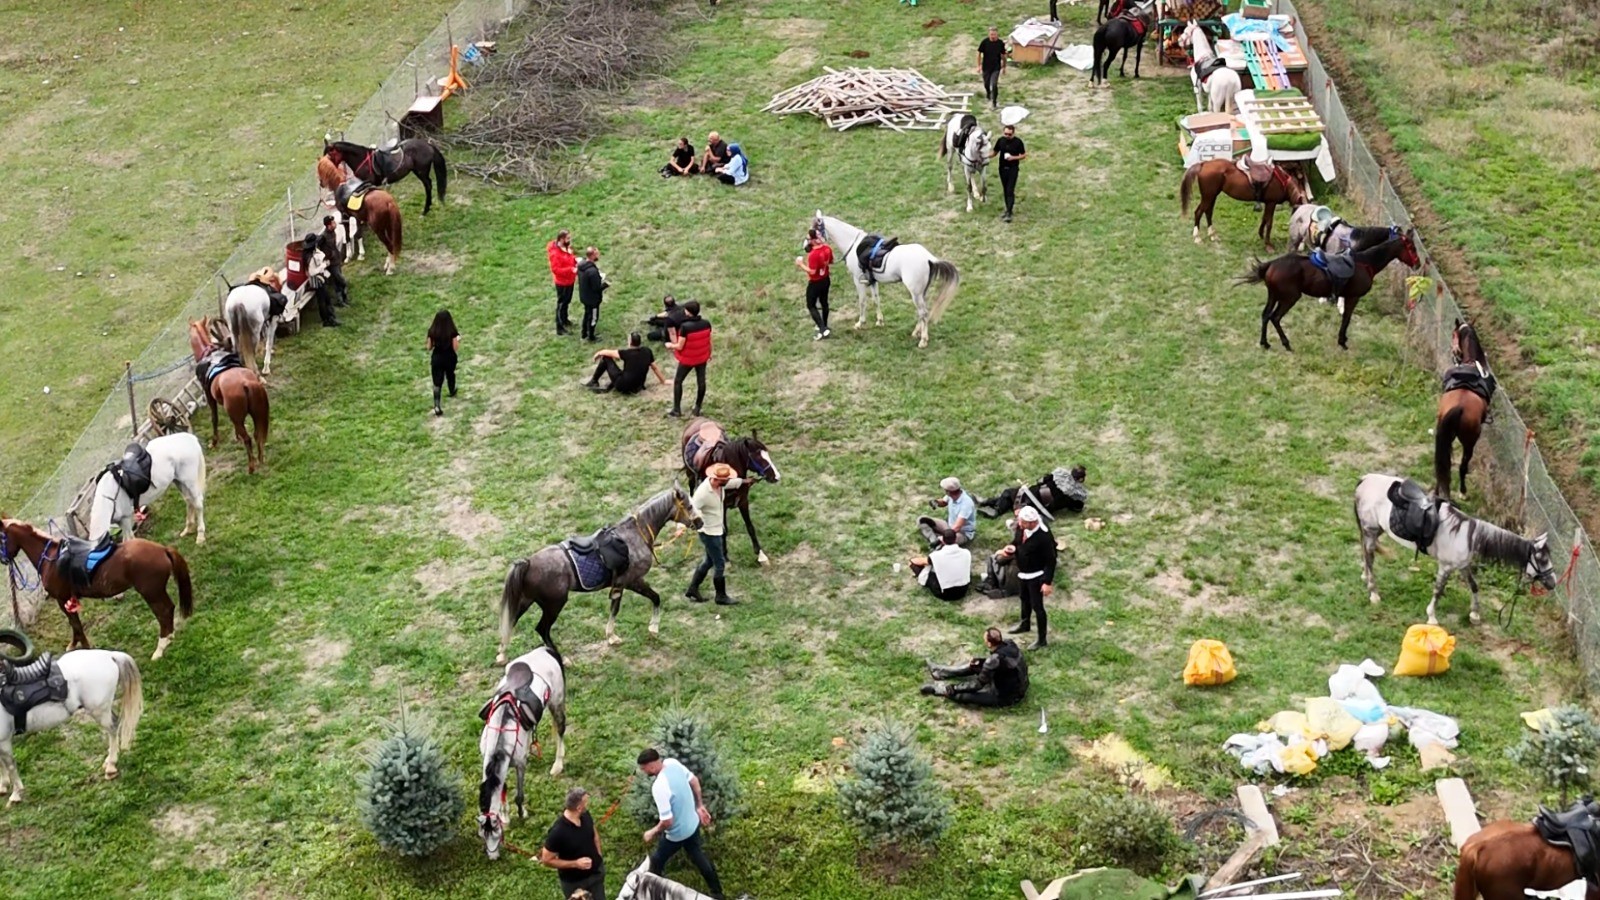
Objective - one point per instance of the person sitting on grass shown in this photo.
(961, 515)
(671, 316)
(717, 154)
(625, 367)
(737, 169)
(1060, 491)
(947, 571)
(683, 161)
(1001, 677)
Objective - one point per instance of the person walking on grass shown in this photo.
(992, 62)
(708, 502)
(1010, 151)
(1034, 549)
(816, 264)
(592, 286)
(625, 366)
(681, 811)
(564, 270)
(690, 344)
(572, 848)
(444, 342)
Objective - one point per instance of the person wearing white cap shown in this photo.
(960, 516)
(1035, 552)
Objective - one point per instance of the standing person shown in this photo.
(564, 271)
(1011, 153)
(591, 290)
(625, 366)
(681, 811)
(816, 264)
(991, 62)
(1034, 550)
(960, 515)
(572, 848)
(690, 344)
(328, 243)
(445, 342)
(708, 502)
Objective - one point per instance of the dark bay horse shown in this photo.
(547, 577)
(1462, 409)
(414, 156)
(1290, 277)
(1507, 858)
(704, 442)
(233, 387)
(1120, 33)
(144, 566)
(1223, 176)
(375, 209)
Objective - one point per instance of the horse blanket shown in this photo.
(132, 472)
(21, 689)
(1469, 378)
(1339, 266)
(1575, 829)
(596, 559)
(1413, 515)
(213, 364)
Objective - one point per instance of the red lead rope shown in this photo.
(1566, 577)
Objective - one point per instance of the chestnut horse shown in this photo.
(1507, 858)
(1290, 277)
(144, 566)
(378, 210)
(1223, 176)
(240, 391)
(1461, 411)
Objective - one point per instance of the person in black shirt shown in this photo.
(444, 341)
(717, 154)
(627, 378)
(670, 317)
(1010, 151)
(328, 243)
(572, 848)
(1034, 549)
(1002, 676)
(591, 289)
(991, 62)
(683, 162)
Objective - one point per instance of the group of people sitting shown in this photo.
(726, 161)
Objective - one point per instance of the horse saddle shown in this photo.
(349, 195)
(1339, 266)
(132, 472)
(24, 687)
(79, 558)
(1469, 378)
(596, 559)
(873, 250)
(1206, 69)
(1575, 829)
(276, 301)
(1135, 21)
(698, 448)
(968, 122)
(528, 692)
(1413, 515)
(215, 363)
(386, 161)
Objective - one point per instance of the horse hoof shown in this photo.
(111, 772)
(1373, 598)
(1433, 620)
(557, 769)
(1474, 618)
(1198, 242)
(860, 322)
(15, 799)
(499, 659)
(762, 557)
(200, 538)
(613, 640)
(655, 630)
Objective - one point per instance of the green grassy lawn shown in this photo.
(358, 570)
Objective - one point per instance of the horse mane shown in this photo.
(1495, 542)
(492, 778)
(1381, 254)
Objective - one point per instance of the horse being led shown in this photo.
(578, 564)
(1125, 29)
(413, 156)
(57, 688)
(1463, 407)
(1346, 278)
(533, 683)
(1211, 74)
(1399, 508)
(1223, 176)
(229, 384)
(966, 139)
(873, 260)
(1314, 227)
(71, 569)
(704, 442)
(371, 207)
(173, 459)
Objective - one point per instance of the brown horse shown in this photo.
(144, 566)
(704, 442)
(376, 209)
(1462, 409)
(1289, 277)
(1223, 176)
(238, 390)
(1507, 858)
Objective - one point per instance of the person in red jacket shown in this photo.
(690, 344)
(816, 262)
(564, 270)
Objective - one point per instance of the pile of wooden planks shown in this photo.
(901, 99)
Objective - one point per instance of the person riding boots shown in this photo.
(708, 502)
(998, 679)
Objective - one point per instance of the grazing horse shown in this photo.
(174, 459)
(705, 442)
(1289, 277)
(533, 682)
(965, 138)
(92, 679)
(144, 566)
(1456, 544)
(228, 383)
(1463, 407)
(1314, 227)
(1505, 859)
(413, 156)
(910, 264)
(547, 577)
(371, 207)
(1220, 83)
(1122, 31)
(1223, 176)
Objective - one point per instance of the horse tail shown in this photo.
(244, 337)
(944, 148)
(440, 171)
(1444, 435)
(260, 411)
(510, 597)
(200, 471)
(1257, 272)
(132, 706)
(1190, 176)
(180, 571)
(946, 272)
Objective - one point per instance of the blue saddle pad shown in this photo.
(691, 449)
(591, 572)
(1319, 259)
(95, 558)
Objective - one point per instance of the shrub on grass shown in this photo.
(892, 798)
(1113, 828)
(682, 735)
(410, 799)
(1562, 751)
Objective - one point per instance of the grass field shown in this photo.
(358, 570)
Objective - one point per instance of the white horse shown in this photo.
(248, 314)
(909, 264)
(174, 458)
(1221, 86)
(642, 884)
(533, 683)
(93, 677)
(1456, 546)
(965, 138)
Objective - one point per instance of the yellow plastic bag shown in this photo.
(1425, 650)
(1539, 719)
(1298, 760)
(1326, 718)
(1209, 663)
(1286, 724)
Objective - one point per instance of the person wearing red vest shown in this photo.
(816, 262)
(564, 270)
(690, 343)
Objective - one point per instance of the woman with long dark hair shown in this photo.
(444, 341)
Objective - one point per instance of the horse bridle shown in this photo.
(678, 506)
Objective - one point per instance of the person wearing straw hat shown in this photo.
(708, 502)
(960, 516)
(1034, 550)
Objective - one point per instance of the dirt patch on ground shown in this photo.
(442, 576)
(466, 523)
(795, 59)
(321, 653)
(436, 262)
(796, 31)
(184, 822)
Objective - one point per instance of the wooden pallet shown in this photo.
(1282, 115)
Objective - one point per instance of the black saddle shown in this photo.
(386, 161)
(25, 687)
(215, 363)
(872, 251)
(1339, 266)
(132, 472)
(1414, 516)
(1469, 378)
(597, 558)
(1576, 829)
(968, 122)
(519, 684)
(79, 558)
(1209, 67)
(349, 191)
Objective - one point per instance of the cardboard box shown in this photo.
(1256, 9)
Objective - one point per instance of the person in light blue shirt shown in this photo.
(737, 169)
(960, 516)
(681, 812)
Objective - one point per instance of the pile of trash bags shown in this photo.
(1353, 714)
